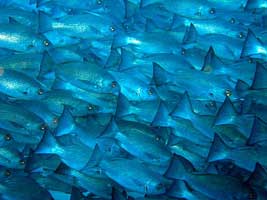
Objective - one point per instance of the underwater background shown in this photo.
(133, 99)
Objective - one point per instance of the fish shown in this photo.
(91, 25)
(140, 141)
(23, 17)
(243, 156)
(133, 88)
(204, 90)
(143, 111)
(227, 114)
(88, 4)
(22, 187)
(201, 10)
(88, 76)
(22, 39)
(97, 102)
(180, 128)
(228, 48)
(210, 26)
(150, 42)
(218, 186)
(19, 85)
(10, 158)
(26, 63)
(50, 145)
(146, 182)
(215, 66)
(179, 189)
(101, 187)
(21, 118)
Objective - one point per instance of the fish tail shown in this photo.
(45, 23)
(66, 123)
(260, 78)
(47, 145)
(184, 108)
(178, 168)
(218, 150)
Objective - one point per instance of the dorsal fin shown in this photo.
(150, 25)
(241, 85)
(66, 123)
(211, 61)
(260, 77)
(190, 35)
(123, 106)
(252, 46)
(160, 75)
(162, 116)
(226, 112)
(184, 108)
(218, 150)
(127, 58)
(111, 129)
(258, 132)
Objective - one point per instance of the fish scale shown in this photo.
(133, 99)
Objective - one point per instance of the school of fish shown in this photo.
(133, 99)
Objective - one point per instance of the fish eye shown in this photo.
(7, 172)
(159, 186)
(113, 84)
(228, 93)
(8, 137)
(250, 60)
(183, 51)
(55, 120)
(150, 91)
(241, 35)
(22, 162)
(90, 107)
(232, 20)
(46, 43)
(112, 28)
(43, 127)
(25, 92)
(40, 91)
(212, 11)
(99, 2)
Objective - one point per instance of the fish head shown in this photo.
(40, 44)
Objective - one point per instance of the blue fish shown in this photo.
(50, 145)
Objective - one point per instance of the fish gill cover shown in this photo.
(133, 99)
